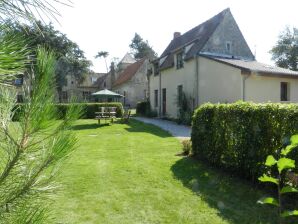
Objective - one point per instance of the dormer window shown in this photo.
(228, 46)
(179, 60)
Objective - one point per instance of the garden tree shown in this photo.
(13, 48)
(32, 148)
(70, 58)
(30, 10)
(141, 48)
(285, 52)
(103, 54)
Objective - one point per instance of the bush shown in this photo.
(187, 147)
(238, 137)
(185, 112)
(144, 109)
(88, 108)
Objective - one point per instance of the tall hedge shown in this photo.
(88, 108)
(238, 137)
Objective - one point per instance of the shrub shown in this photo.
(238, 137)
(89, 109)
(186, 147)
(144, 109)
(278, 169)
(185, 112)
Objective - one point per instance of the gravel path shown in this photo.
(179, 131)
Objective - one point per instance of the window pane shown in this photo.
(284, 91)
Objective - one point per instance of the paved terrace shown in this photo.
(179, 131)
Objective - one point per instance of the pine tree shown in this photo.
(32, 148)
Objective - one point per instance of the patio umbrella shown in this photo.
(107, 94)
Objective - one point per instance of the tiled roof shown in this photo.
(256, 67)
(198, 35)
(129, 72)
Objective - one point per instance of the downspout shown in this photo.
(244, 78)
(159, 73)
(196, 92)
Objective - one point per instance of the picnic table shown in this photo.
(106, 113)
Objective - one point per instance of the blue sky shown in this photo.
(109, 25)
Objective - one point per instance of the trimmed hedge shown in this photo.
(144, 109)
(88, 108)
(238, 137)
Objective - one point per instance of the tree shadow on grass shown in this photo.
(87, 126)
(138, 126)
(234, 198)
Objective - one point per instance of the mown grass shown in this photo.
(129, 173)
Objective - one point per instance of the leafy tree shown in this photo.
(103, 54)
(285, 52)
(70, 58)
(141, 48)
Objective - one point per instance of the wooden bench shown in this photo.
(105, 113)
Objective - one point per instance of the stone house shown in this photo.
(80, 90)
(132, 83)
(213, 63)
(107, 80)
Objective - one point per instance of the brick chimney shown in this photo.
(177, 34)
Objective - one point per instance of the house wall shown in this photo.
(262, 89)
(228, 31)
(218, 83)
(76, 90)
(136, 89)
(170, 79)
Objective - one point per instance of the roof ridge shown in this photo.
(125, 75)
(218, 16)
(208, 20)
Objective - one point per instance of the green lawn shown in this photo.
(129, 173)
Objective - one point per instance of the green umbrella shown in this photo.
(106, 94)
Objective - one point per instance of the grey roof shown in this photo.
(128, 59)
(198, 35)
(256, 67)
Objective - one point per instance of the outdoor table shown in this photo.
(105, 113)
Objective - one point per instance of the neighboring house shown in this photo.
(81, 91)
(132, 83)
(107, 81)
(213, 63)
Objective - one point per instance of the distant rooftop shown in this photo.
(257, 67)
(128, 59)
